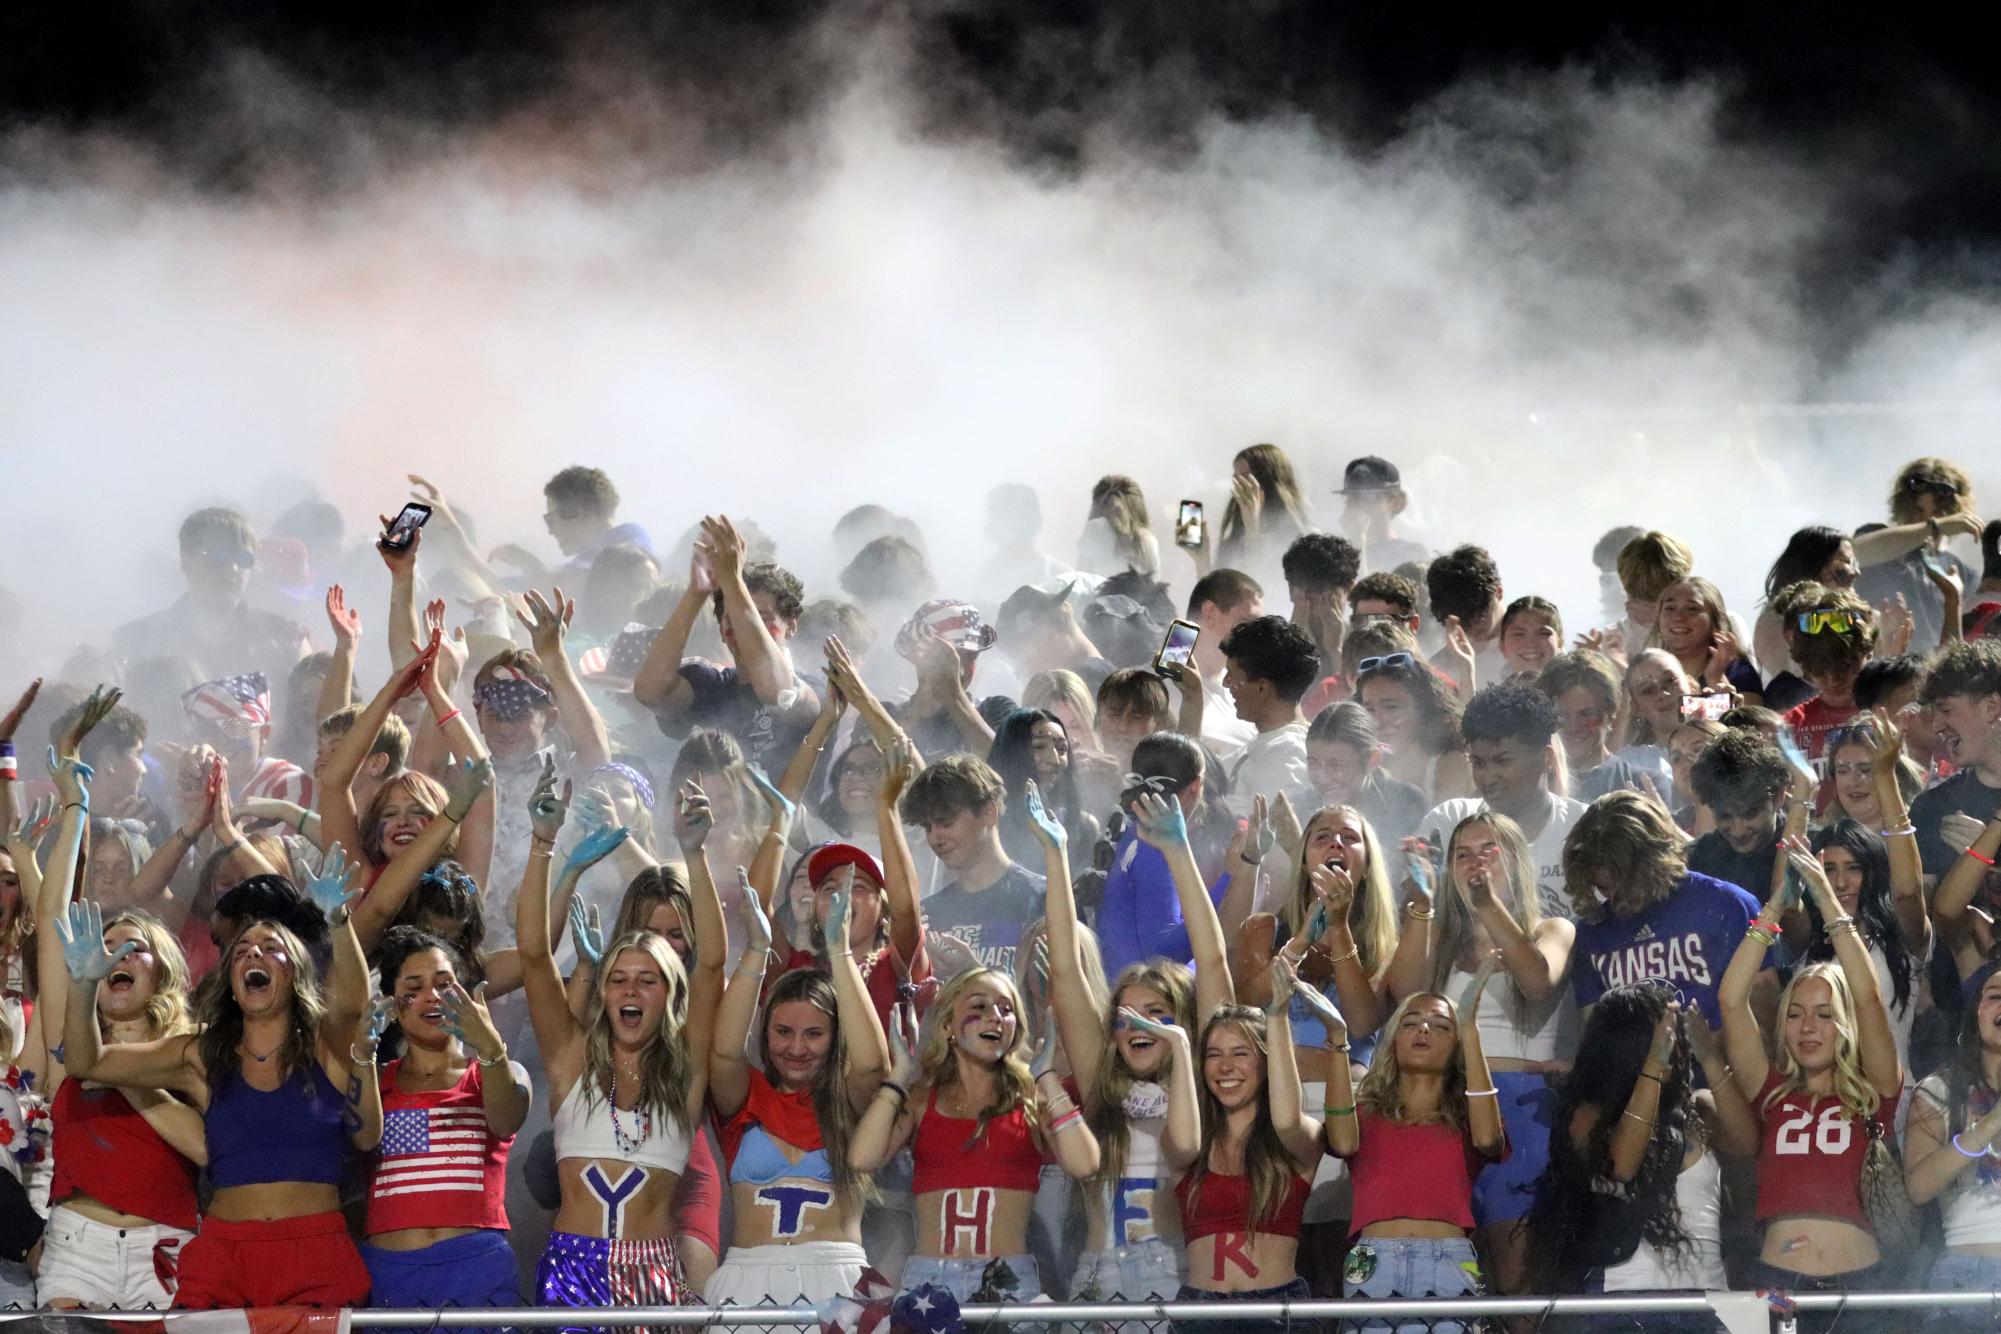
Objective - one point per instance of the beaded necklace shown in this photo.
(641, 1116)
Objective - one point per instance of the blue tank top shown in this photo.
(293, 1133)
(759, 1162)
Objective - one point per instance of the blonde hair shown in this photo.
(1920, 476)
(1266, 1162)
(423, 786)
(167, 1013)
(1858, 1096)
(1372, 916)
(1118, 500)
(666, 1071)
(1381, 1089)
(1652, 563)
(1046, 688)
(1640, 732)
(1519, 895)
(937, 1059)
(1105, 1110)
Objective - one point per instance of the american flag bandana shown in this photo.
(237, 704)
(508, 697)
(640, 786)
(957, 623)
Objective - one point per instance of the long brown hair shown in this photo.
(1105, 1111)
(666, 1075)
(417, 785)
(1266, 1161)
(222, 1018)
(831, 1106)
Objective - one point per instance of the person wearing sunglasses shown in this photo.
(1831, 640)
(213, 622)
(1416, 715)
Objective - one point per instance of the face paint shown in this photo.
(613, 1195)
(792, 1202)
(1132, 1210)
(965, 1219)
(1234, 1248)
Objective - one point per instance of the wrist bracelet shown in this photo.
(448, 717)
(1065, 1121)
(1343, 958)
(498, 1060)
(1643, 1120)
(1349, 1110)
(304, 815)
(1966, 1152)
(1908, 831)
(356, 1058)
(902, 1093)
(1978, 857)
(1655, 1078)
(1417, 916)
(6, 750)
(1483, 1093)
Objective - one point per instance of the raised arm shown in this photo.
(504, 1087)
(347, 981)
(557, 1031)
(1875, 1042)
(1536, 962)
(1160, 823)
(844, 680)
(1735, 1129)
(1635, 1131)
(337, 686)
(658, 684)
(1071, 1002)
(885, 1127)
(711, 939)
(1340, 1134)
(47, 897)
(693, 822)
(1900, 839)
(1360, 995)
(868, 1049)
(10, 723)
(900, 766)
(760, 662)
(403, 641)
(729, 1059)
(339, 821)
(1181, 1138)
(456, 547)
(1887, 544)
(798, 773)
(1483, 1101)
(767, 864)
(1743, 1040)
(1411, 966)
(547, 622)
(1299, 1132)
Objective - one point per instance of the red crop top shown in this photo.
(1425, 1171)
(1224, 1205)
(1810, 1155)
(439, 1165)
(105, 1149)
(945, 1157)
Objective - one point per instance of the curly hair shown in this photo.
(1440, 722)
(1946, 482)
(1321, 561)
(1964, 669)
(1738, 771)
(1463, 582)
(1572, 1226)
(1510, 711)
(787, 594)
(1384, 586)
(167, 1011)
(1271, 648)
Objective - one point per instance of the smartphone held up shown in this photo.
(402, 530)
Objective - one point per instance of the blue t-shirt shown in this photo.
(1685, 940)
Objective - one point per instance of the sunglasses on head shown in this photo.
(1388, 661)
(1825, 618)
(241, 559)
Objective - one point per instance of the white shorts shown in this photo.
(801, 1273)
(109, 1268)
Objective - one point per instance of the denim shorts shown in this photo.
(1295, 1291)
(963, 1278)
(1385, 1267)
(1149, 1269)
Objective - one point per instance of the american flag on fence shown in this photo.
(427, 1149)
(233, 699)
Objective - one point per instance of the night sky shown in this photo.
(1905, 110)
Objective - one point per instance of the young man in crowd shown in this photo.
(1269, 665)
(758, 698)
(1320, 570)
(1384, 595)
(1585, 687)
(1648, 565)
(1039, 633)
(1931, 503)
(1373, 498)
(1893, 685)
(1963, 693)
(581, 513)
(1742, 778)
(1465, 589)
(991, 899)
(1509, 731)
(1014, 527)
(1830, 641)
(1221, 601)
(1133, 704)
(212, 623)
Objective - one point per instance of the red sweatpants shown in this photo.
(305, 1261)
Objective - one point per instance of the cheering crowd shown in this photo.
(1223, 917)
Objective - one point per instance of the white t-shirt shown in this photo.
(1272, 763)
(1546, 847)
(1222, 730)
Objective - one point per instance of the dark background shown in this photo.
(1901, 109)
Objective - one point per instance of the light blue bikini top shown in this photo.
(759, 1162)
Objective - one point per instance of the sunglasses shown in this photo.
(1387, 662)
(241, 559)
(1825, 618)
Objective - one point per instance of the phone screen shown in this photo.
(1708, 707)
(1178, 649)
(404, 530)
(1188, 524)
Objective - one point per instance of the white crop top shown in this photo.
(583, 1127)
(1970, 1207)
(1511, 1028)
(1699, 1192)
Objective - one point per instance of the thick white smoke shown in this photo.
(1560, 305)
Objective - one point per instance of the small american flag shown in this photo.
(425, 1150)
(233, 699)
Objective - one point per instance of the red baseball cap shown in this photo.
(834, 856)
